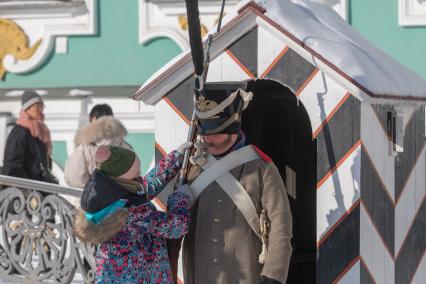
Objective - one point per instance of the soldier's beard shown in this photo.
(224, 145)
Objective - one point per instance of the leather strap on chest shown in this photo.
(218, 171)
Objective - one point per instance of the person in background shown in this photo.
(103, 129)
(29, 147)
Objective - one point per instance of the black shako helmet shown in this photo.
(219, 107)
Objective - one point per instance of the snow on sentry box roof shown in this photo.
(323, 31)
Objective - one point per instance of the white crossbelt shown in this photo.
(218, 171)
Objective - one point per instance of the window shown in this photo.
(412, 12)
(395, 130)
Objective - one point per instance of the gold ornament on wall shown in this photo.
(14, 41)
(183, 22)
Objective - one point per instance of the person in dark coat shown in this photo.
(29, 146)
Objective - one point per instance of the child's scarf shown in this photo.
(37, 128)
(99, 216)
(131, 185)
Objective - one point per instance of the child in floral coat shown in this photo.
(119, 217)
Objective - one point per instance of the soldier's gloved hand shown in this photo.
(187, 190)
(181, 149)
(266, 280)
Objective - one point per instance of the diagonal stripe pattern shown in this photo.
(334, 255)
(333, 103)
(379, 222)
(245, 51)
(374, 253)
(377, 202)
(393, 195)
(338, 136)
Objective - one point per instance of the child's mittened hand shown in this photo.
(103, 153)
(187, 190)
(181, 149)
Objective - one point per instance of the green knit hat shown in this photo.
(114, 161)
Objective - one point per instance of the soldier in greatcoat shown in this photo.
(241, 224)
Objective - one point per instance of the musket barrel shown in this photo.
(185, 164)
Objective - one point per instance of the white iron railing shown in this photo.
(36, 239)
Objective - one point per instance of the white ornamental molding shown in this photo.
(412, 12)
(41, 22)
(167, 18)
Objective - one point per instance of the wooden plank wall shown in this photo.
(393, 210)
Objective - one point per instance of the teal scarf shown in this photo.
(97, 217)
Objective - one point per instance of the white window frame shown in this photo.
(395, 129)
(412, 12)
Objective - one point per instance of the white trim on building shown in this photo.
(161, 19)
(412, 12)
(46, 21)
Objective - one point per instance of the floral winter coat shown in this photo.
(138, 252)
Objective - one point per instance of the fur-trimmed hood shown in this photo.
(99, 233)
(104, 128)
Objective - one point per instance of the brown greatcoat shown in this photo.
(221, 247)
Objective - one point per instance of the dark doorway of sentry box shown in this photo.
(279, 125)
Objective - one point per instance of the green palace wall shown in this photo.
(113, 57)
(378, 21)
